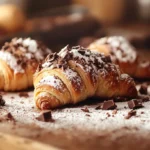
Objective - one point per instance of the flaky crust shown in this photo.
(72, 75)
(18, 62)
(123, 54)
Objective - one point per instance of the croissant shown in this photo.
(123, 54)
(74, 74)
(18, 62)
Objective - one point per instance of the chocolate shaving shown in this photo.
(45, 116)
(143, 89)
(10, 117)
(108, 114)
(108, 105)
(24, 94)
(2, 101)
(99, 106)
(135, 104)
(85, 110)
(144, 98)
(125, 107)
(130, 114)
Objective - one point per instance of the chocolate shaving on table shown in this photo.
(24, 94)
(144, 98)
(135, 104)
(108, 114)
(9, 117)
(85, 110)
(143, 89)
(45, 116)
(108, 105)
(130, 114)
(99, 106)
(2, 101)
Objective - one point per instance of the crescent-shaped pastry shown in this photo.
(18, 62)
(74, 74)
(123, 54)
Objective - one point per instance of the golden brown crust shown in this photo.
(18, 62)
(83, 74)
(123, 54)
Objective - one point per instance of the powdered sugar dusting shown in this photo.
(31, 48)
(120, 48)
(74, 78)
(52, 81)
(22, 50)
(74, 118)
(11, 61)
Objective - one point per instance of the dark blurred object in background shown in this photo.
(36, 6)
(61, 22)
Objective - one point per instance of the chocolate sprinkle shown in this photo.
(108, 114)
(144, 98)
(135, 104)
(130, 114)
(85, 110)
(24, 94)
(2, 101)
(10, 117)
(45, 116)
(108, 105)
(99, 106)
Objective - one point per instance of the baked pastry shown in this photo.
(123, 54)
(18, 62)
(74, 74)
(12, 18)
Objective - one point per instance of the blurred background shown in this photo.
(60, 22)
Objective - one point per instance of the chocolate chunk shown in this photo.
(108, 114)
(143, 89)
(45, 116)
(107, 105)
(99, 106)
(2, 102)
(135, 104)
(10, 117)
(144, 98)
(85, 110)
(24, 94)
(130, 114)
